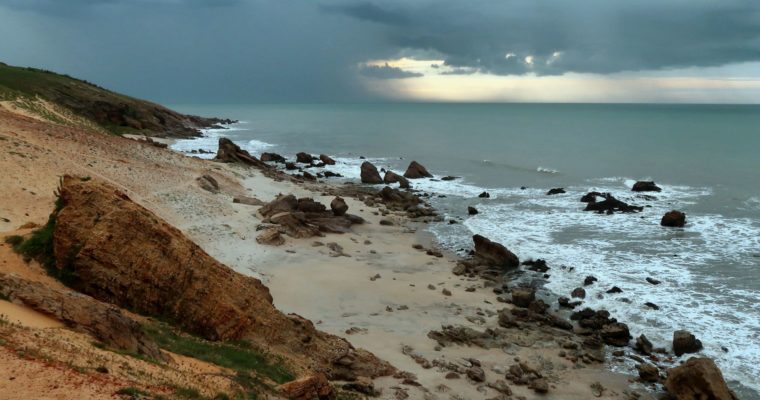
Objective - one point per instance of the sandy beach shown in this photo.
(378, 292)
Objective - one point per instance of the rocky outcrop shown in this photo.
(229, 152)
(416, 170)
(120, 253)
(304, 158)
(684, 342)
(369, 173)
(494, 254)
(271, 237)
(645, 186)
(674, 218)
(326, 159)
(273, 157)
(83, 313)
(609, 205)
(392, 177)
(697, 378)
(304, 217)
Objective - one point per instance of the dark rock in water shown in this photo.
(653, 281)
(326, 159)
(369, 173)
(589, 280)
(330, 174)
(304, 158)
(645, 186)
(590, 197)
(494, 254)
(472, 210)
(565, 302)
(273, 157)
(697, 378)
(643, 345)
(648, 372)
(610, 205)
(309, 177)
(555, 191)
(616, 334)
(392, 177)
(685, 342)
(674, 218)
(523, 296)
(290, 166)
(578, 292)
(537, 265)
(484, 195)
(449, 178)
(416, 170)
(338, 206)
(615, 289)
(652, 305)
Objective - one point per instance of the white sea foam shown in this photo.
(624, 249)
(547, 170)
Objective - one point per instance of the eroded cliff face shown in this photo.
(121, 253)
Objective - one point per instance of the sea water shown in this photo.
(706, 159)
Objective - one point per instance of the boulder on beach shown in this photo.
(315, 386)
(229, 152)
(494, 254)
(326, 159)
(645, 186)
(392, 177)
(338, 206)
(685, 342)
(674, 218)
(698, 378)
(304, 158)
(416, 170)
(369, 173)
(247, 200)
(208, 183)
(270, 237)
(523, 296)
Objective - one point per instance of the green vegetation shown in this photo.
(133, 393)
(249, 363)
(14, 240)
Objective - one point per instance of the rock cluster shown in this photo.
(609, 205)
(304, 217)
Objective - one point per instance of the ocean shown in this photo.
(706, 158)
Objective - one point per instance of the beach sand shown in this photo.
(394, 310)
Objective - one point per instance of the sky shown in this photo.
(238, 51)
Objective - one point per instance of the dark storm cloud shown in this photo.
(386, 72)
(597, 36)
(305, 50)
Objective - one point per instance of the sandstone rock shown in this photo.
(230, 152)
(83, 313)
(208, 183)
(251, 201)
(697, 378)
(338, 206)
(616, 334)
(523, 296)
(494, 254)
(304, 158)
(643, 345)
(685, 342)
(415, 170)
(472, 210)
(392, 177)
(476, 374)
(539, 385)
(674, 219)
(270, 237)
(645, 186)
(121, 253)
(369, 173)
(309, 387)
(326, 159)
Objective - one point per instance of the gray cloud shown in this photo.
(302, 50)
(386, 72)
